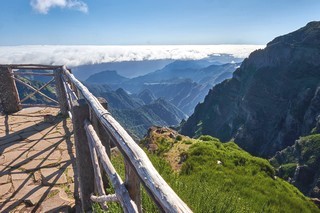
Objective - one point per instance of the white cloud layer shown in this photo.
(80, 55)
(43, 6)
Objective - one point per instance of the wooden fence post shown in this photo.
(61, 93)
(132, 183)
(9, 96)
(80, 112)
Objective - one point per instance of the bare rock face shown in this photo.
(272, 99)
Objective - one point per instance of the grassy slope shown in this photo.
(240, 183)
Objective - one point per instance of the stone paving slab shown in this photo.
(37, 162)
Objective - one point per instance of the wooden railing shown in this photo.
(11, 75)
(95, 132)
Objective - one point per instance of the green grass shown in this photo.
(148, 206)
(241, 183)
(221, 177)
(306, 151)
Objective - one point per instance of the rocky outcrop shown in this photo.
(299, 164)
(271, 100)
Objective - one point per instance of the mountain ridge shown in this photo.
(271, 99)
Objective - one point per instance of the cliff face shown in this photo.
(299, 164)
(271, 100)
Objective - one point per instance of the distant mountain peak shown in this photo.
(147, 96)
(106, 77)
(304, 35)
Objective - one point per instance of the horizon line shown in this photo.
(226, 44)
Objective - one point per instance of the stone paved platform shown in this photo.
(37, 162)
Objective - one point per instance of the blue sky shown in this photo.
(151, 22)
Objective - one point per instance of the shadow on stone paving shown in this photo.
(35, 173)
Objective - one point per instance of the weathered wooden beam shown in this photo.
(103, 135)
(32, 73)
(61, 93)
(34, 68)
(9, 97)
(99, 187)
(71, 96)
(30, 66)
(80, 112)
(126, 203)
(36, 90)
(105, 198)
(70, 93)
(96, 168)
(160, 191)
(39, 105)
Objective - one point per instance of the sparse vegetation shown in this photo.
(305, 155)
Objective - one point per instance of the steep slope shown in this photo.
(299, 164)
(211, 176)
(183, 83)
(120, 99)
(184, 94)
(98, 89)
(36, 99)
(161, 108)
(271, 100)
(147, 96)
(215, 74)
(134, 113)
(138, 120)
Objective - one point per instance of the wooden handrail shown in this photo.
(122, 194)
(32, 73)
(84, 108)
(31, 66)
(156, 186)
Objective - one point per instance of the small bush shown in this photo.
(207, 138)
(179, 138)
(187, 142)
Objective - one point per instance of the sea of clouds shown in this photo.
(88, 54)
